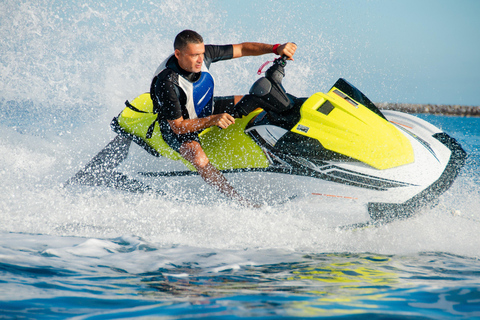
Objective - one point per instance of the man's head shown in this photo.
(185, 37)
(189, 50)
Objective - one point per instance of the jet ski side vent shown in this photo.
(326, 108)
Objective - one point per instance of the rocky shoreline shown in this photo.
(450, 110)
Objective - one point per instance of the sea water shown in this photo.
(97, 253)
(106, 254)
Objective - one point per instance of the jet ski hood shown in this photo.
(342, 124)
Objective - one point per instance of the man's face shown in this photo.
(191, 57)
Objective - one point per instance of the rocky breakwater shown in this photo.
(450, 110)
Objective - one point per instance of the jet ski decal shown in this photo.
(420, 140)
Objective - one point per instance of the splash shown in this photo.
(67, 67)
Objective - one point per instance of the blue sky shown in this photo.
(410, 51)
(414, 51)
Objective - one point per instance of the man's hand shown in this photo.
(287, 49)
(223, 120)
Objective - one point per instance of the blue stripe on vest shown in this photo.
(203, 95)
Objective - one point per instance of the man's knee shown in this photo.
(193, 152)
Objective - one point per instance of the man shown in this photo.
(182, 95)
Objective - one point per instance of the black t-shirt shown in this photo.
(169, 99)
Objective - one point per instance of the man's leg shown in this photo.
(193, 152)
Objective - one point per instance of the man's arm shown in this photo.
(256, 49)
(182, 126)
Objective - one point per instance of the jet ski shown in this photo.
(329, 145)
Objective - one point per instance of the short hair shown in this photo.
(185, 37)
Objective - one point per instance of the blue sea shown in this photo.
(97, 253)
